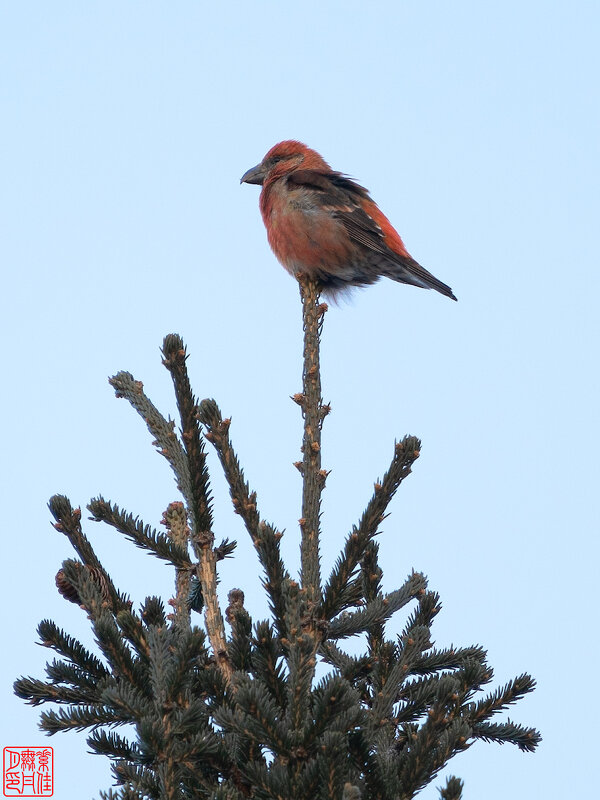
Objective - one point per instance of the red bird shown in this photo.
(321, 223)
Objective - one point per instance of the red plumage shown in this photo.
(321, 223)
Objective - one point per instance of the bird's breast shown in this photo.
(304, 237)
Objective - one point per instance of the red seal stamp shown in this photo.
(28, 771)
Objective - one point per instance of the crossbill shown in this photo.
(322, 224)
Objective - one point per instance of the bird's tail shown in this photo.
(407, 270)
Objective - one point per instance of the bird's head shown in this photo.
(283, 158)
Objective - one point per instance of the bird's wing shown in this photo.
(342, 197)
(365, 224)
(336, 185)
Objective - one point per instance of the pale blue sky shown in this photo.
(126, 127)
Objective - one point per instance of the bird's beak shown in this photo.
(254, 175)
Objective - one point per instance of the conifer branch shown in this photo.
(163, 430)
(62, 672)
(300, 648)
(243, 717)
(503, 697)
(153, 612)
(240, 641)
(371, 588)
(175, 521)
(79, 718)
(414, 698)
(442, 735)
(377, 611)
(313, 411)
(122, 661)
(362, 751)
(127, 700)
(68, 521)
(69, 591)
(133, 629)
(113, 745)
(36, 692)
(206, 572)
(389, 693)
(162, 546)
(138, 780)
(332, 771)
(200, 507)
(51, 636)
(453, 789)
(265, 537)
(263, 715)
(353, 669)
(526, 739)
(429, 607)
(335, 706)
(406, 453)
(267, 661)
(198, 498)
(448, 658)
